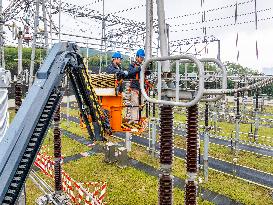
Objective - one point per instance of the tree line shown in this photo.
(94, 61)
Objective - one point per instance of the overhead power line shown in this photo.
(94, 2)
(210, 10)
(219, 19)
(128, 9)
(222, 26)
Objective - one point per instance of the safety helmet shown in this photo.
(117, 55)
(140, 53)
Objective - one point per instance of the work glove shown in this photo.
(120, 75)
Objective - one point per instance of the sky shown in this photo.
(218, 22)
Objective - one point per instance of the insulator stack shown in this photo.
(192, 139)
(58, 176)
(165, 189)
(57, 151)
(166, 135)
(57, 116)
(166, 155)
(191, 193)
(18, 96)
(192, 154)
(207, 115)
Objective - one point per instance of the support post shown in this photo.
(60, 10)
(45, 26)
(18, 101)
(128, 141)
(206, 143)
(2, 22)
(256, 124)
(149, 28)
(57, 152)
(68, 101)
(36, 24)
(163, 35)
(219, 50)
(237, 132)
(102, 34)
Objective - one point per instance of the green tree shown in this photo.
(11, 58)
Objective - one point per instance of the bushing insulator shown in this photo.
(191, 193)
(165, 189)
(192, 139)
(166, 135)
(18, 96)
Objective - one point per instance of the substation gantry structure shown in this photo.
(171, 92)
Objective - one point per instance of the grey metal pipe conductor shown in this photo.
(163, 35)
(20, 49)
(2, 35)
(149, 28)
(259, 84)
(206, 143)
(36, 24)
(224, 76)
(4, 115)
(177, 79)
(199, 93)
(60, 10)
(45, 26)
(22, 140)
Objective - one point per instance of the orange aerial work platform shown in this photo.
(106, 87)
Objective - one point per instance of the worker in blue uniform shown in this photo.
(115, 66)
(134, 72)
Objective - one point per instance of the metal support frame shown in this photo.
(45, 25)
(36, 25)
(152, 136)
(18, 100)
(206, 144)
(163, 35)
(17, 156)
(2, 22)
(103, 36)
(5, 79)
(149, 28)
(57, 152)
(128, 141)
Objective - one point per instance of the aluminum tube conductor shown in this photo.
(224, 76)
(259, 84)
(199, 93)
(163, 35)
(149, 28)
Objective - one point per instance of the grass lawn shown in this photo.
(131, 186)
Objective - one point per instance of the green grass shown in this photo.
(252, 160)
(268, 109)
(11, 114)
(69, 147)
(33, 192)
(227, 129)
(129, 184)
(74, 128)
(72, 112)
(124, 186)
(234, 188)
